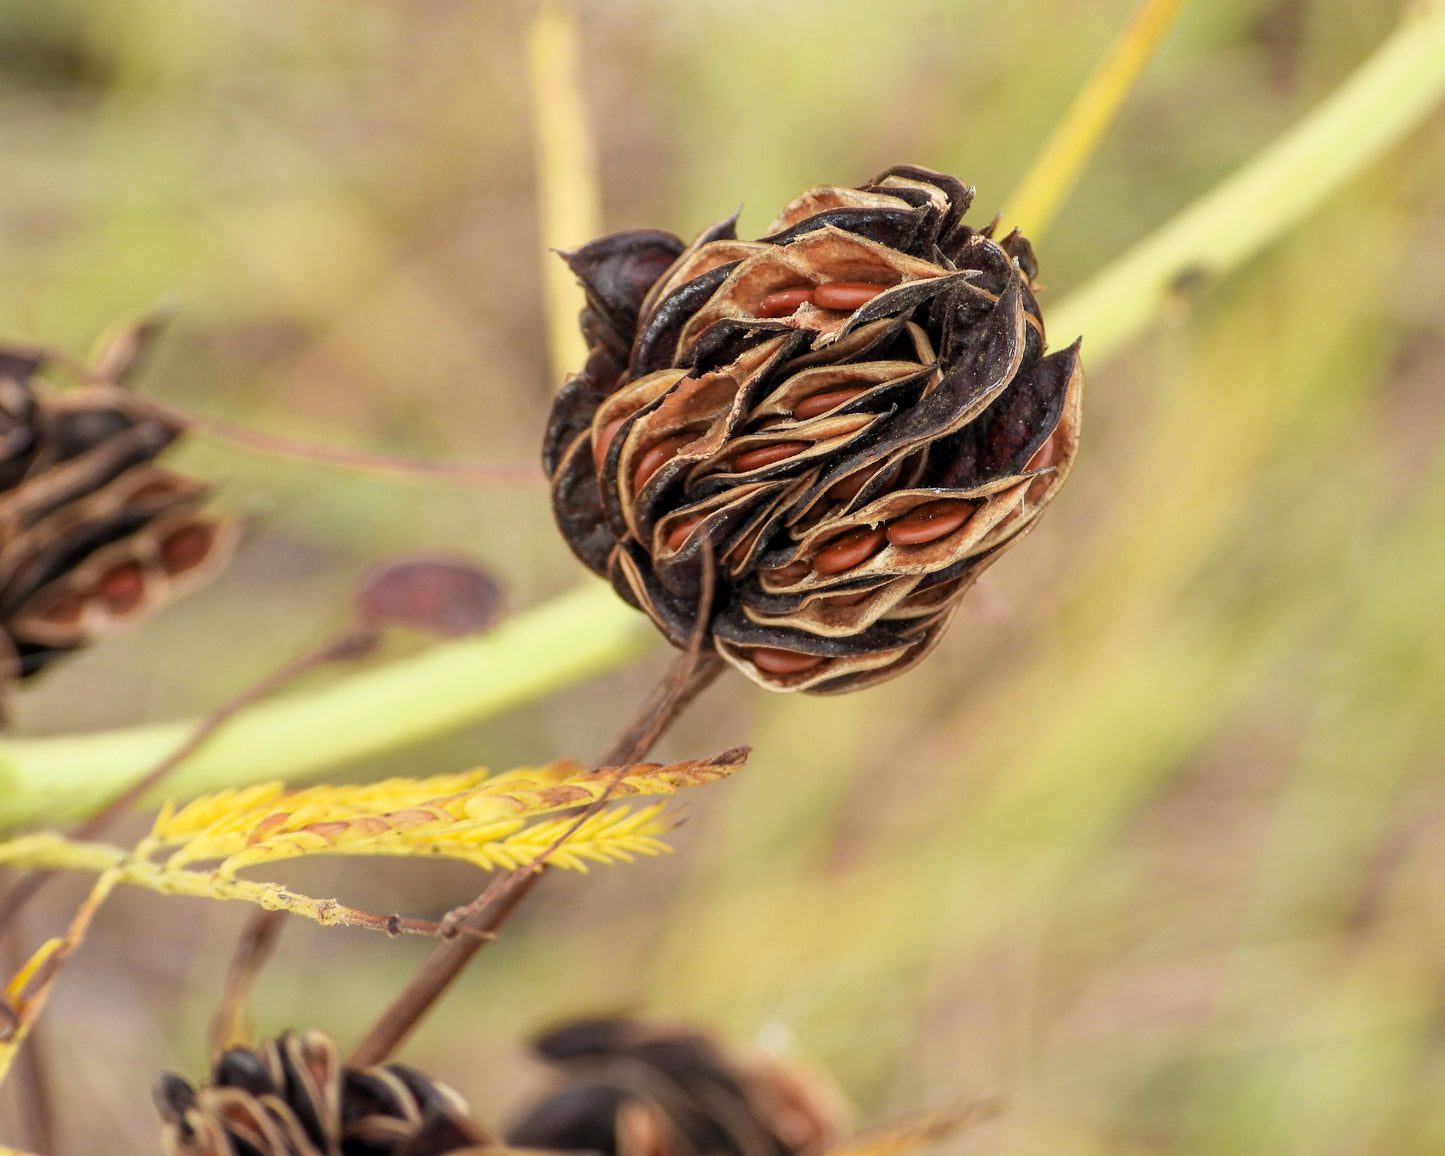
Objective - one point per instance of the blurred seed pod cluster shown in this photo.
(832, 430)
(629, 1087)
(293, 1097)
(93, 533)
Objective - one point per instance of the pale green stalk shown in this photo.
(589, 630)
(1034, 203)
(1386, 97)
(528, 656)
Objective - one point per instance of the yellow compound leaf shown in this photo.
(483, 820)
(612, 835)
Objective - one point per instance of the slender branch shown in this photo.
(432, 978)
(363, 461)
(256, 945)
(294, 449)
(1383, 100)
(1067, 151)
(689, 674)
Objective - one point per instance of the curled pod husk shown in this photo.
(847, 421)
(630, 1087)
(292, 1096)
(93, 533)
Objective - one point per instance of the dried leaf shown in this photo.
(444, 595)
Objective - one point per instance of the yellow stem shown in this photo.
(569, 201)
(1052, 175)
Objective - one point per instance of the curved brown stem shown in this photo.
(690, 674)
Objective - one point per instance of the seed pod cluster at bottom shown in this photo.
(92, 532)
(293, 1097)
(629, 1087)
(834, 428)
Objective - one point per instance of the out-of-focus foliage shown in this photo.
(1150, 848)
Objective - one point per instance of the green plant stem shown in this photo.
(1386, 97)
(566, 640)
(588, 631)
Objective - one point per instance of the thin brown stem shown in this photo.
(229, 1026)
(274, 445)
(690, 674)
(393, 465)
(432, 978)
(687, 678)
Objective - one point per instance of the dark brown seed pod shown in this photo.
(93, 533)
(292, 1097)
(849, 419)
(627, 1087)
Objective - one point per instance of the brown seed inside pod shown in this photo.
(774, 660)
(847, 295)
(657, 457)
(604, 438)
(678, 534)
(1044, 455)
(767, 455)
(187, 548)
(821, 403)
(122, 587)
(848, 488)
(792, 572)
(929, 522)
(782, 303)
(847, 551)
(66, 611)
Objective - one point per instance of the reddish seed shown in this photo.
(187, 548)
(783, 303)
(929, 522)
(122, 589)
(67, 611)
(604, 438)
(849, 488)
(655, 458)
(823, 402)
(848, 551)
(678, 535)
(792, 572)
(1043, 456)
(846, 294)
(158, 490)
(744, 545)
(774, 661)
(846, 599)
(767, 455)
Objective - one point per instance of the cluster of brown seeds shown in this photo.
(845, 421)
(92, 532)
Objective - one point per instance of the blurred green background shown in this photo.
(1151, 848)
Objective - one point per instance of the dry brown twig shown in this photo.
(688, 676)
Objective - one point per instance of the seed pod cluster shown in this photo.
(293, 1097)
(627, 1087)
(92, 532)
(846, 421)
